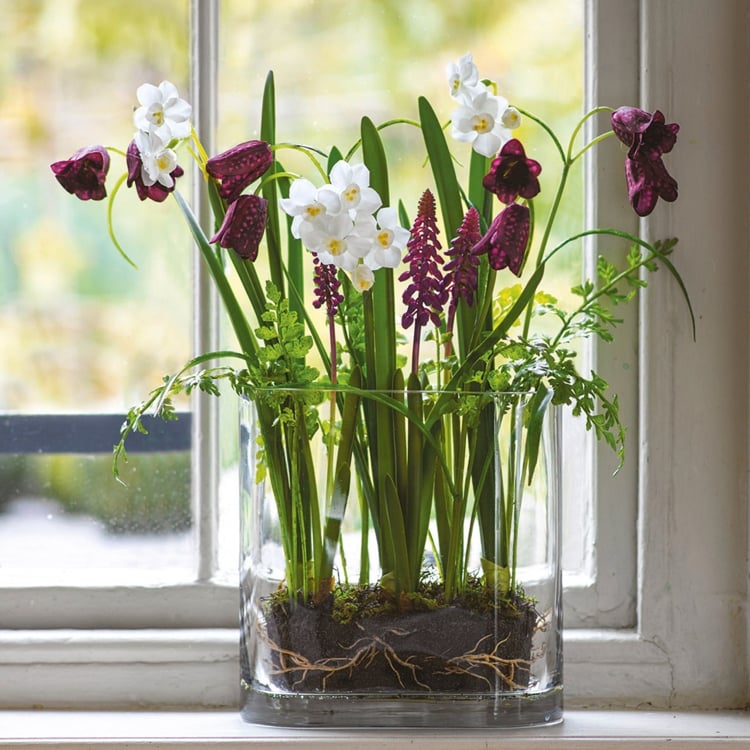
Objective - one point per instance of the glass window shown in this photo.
(81, 331)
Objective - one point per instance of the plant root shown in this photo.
(504, 669)
(367, 650)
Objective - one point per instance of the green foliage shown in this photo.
(421, 447)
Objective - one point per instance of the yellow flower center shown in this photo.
(162, 161)
(351, 194)
(335, 246)
(385, 237)
(482, 123)
(157, 117)
(313, 210)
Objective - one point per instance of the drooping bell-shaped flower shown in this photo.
(647, 137)
(239, 166)
(85, 173)
(506, 240)
(243, 226)
(155, 191)
(512, 174)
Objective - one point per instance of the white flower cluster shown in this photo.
(482, 119)
(338, 222)
(161, 119)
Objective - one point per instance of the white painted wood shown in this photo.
(204, 25)
(694, 450)
(187, 730)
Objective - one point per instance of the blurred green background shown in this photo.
(82, 331)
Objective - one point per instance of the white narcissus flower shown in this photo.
(351, 183)
(389, 241)
(158, 161)
(362, 277)
(306, 204)
(332, 240)
(463, 78)
(480, 122)
(162, 111)
(511, 118)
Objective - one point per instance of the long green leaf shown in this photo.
(441, 162)
(234, 309)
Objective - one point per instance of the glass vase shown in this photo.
(400, 559)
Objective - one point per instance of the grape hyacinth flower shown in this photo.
(155, 191)
(243, 226)
(425, 296)
(239, 166)
(327, 291)
(461, 271)
(506, 240)
(162, 112)
(512, 174)
(85, 173)
(647, 137)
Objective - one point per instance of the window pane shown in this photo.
(82, 331)
(334, 62)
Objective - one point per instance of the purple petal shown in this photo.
(237, 167)
(85, 173)
(647, 182)
(506, 239)
(243, 226)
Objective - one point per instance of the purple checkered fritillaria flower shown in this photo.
(156, 191)
(426, 295)
(237, 167)
(85, 173)
(462, 269)
(512, 174)
(243, 226)
(506, 240)
(647, 137)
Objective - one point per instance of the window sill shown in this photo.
(594, 729)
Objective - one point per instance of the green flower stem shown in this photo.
(110, 222)
(240, 325)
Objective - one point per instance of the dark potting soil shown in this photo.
(452, 649)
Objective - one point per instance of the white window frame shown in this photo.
(668, 576)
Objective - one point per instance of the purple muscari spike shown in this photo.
(327, 286)
(461, 270)
(425, 295)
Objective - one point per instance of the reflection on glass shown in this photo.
(81, 330)
(63, 512)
